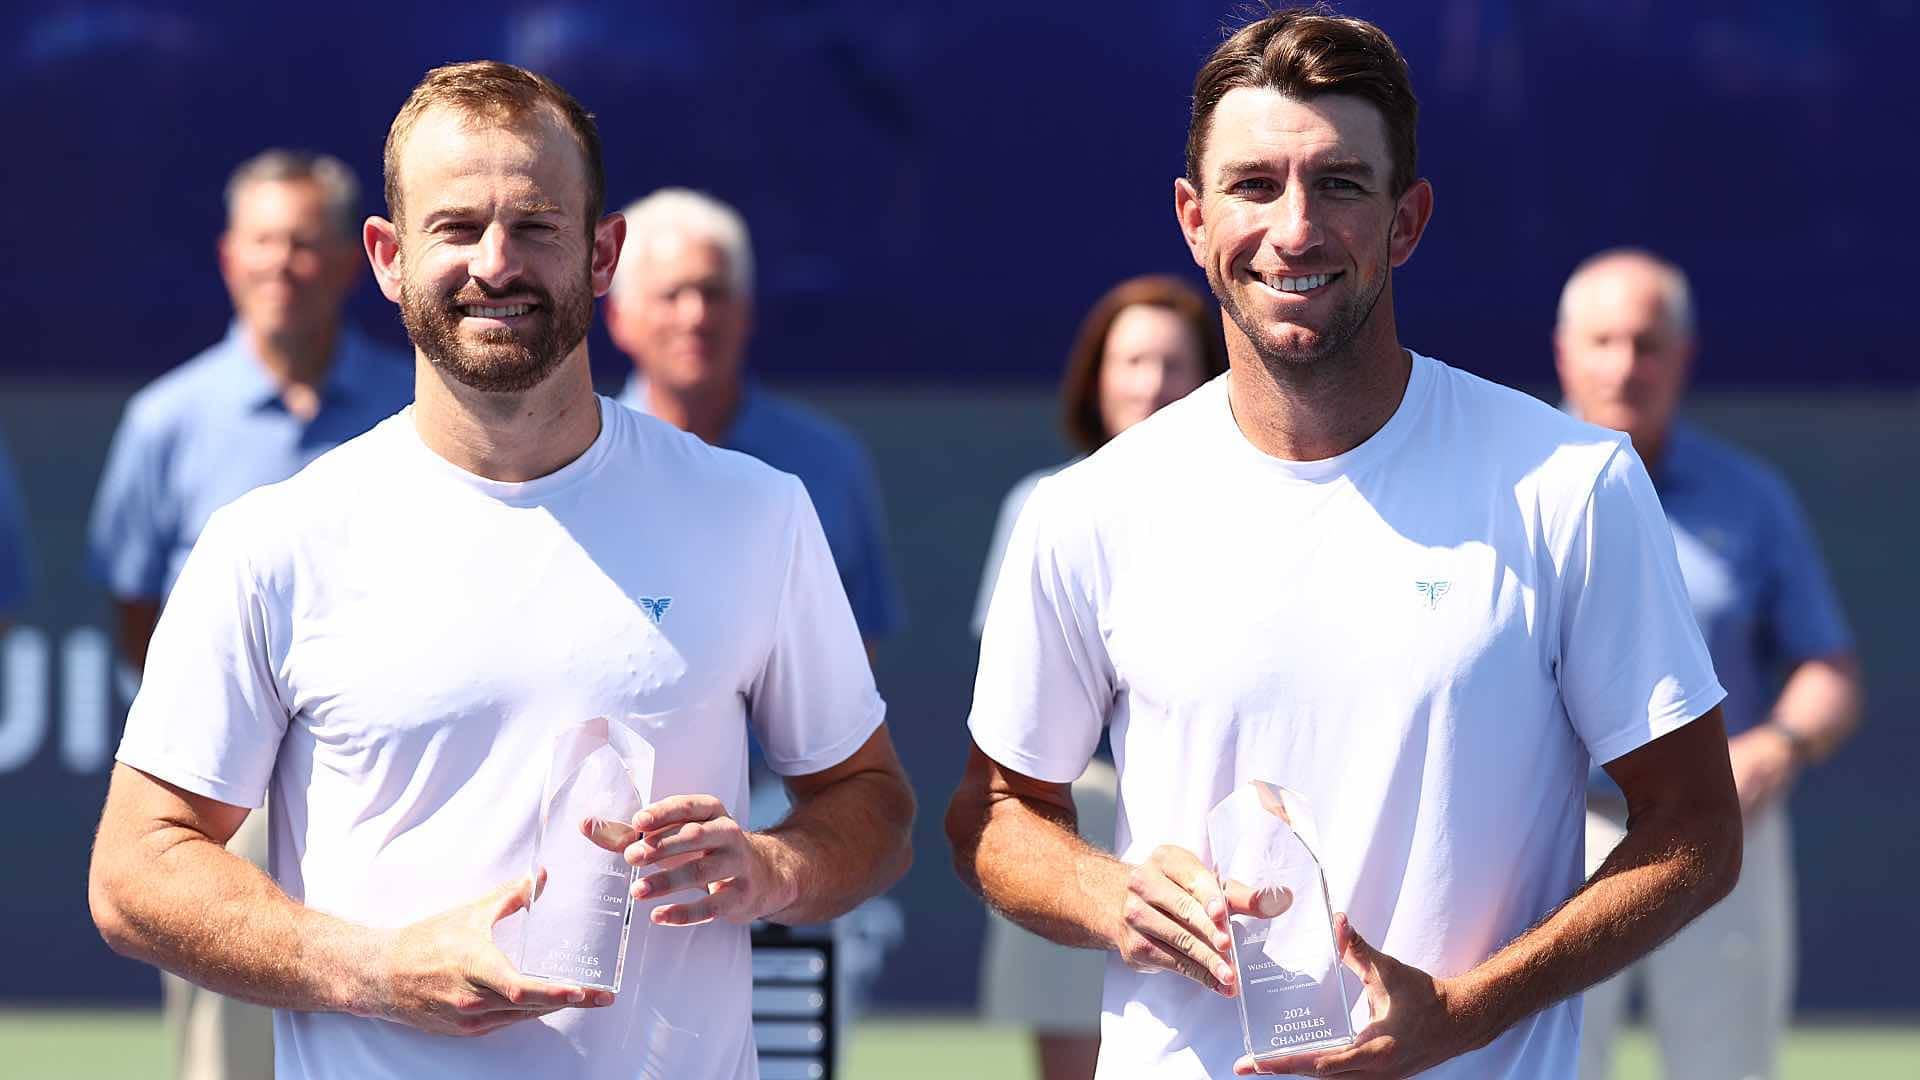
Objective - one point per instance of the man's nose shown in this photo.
(1291, 228)
(693, 306)
(495, 262)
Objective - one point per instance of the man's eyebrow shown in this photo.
(1242, 168)
(1350, 166)
(439, 212)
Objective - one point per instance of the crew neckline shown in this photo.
(523, 492)
(1323, 470)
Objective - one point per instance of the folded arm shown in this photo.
(1015, 843)
(847, 838)
(164, 889)
(1681, 855)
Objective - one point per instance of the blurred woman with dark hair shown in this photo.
(1148, 342)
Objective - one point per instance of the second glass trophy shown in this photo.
(577, 924)
(1293, 993)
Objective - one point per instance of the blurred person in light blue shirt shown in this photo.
(1144, 344)
(1719, 994)
(14, 572)
(681, 308)
(289, 382)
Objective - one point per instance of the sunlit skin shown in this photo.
(1623, 358)
(682, 317)
(1299, 189)
(1150, 360)
(494, 214)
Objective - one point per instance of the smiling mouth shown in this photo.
(481, 311)
(1304, 283)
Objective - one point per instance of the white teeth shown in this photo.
(1298, 284)
(498, 312)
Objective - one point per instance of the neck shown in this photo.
(508, 437)
(1322, 409)
(297, 363)
(1649, 445)
(703, 411)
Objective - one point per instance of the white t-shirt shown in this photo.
(1427, 635)
(386, 643)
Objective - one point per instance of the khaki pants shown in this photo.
(1718, 995)
(217, 1038)
(1030, 982)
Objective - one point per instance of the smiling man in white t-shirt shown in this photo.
(389, 641)
(1419, 598)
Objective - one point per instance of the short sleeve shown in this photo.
(1045, 682)
(1803, 614)
(1631, 663)
(872, 589)
(209, 716)
(14, 558)
(814, 702)
(131, 534)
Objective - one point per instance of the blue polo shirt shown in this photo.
(1753, 571)
(13, 540)
(211, 430)
(839, 478)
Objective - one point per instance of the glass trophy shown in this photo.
(1293, 992)
(577, 924)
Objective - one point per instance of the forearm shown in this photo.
(1819, 706)
(841, 845)
(179, 901)
(1029, 863)
(1668, 869)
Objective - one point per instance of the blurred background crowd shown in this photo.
(914, 256)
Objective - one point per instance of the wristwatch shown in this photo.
(1798, 745)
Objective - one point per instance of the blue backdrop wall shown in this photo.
(938, 191)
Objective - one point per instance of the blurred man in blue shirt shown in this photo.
(288, 383)
(13, 544)
(681, 308)
(1719, 994)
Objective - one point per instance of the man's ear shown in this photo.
(1193, 224)
(609, 236)
(382, 241)
(1411, 213)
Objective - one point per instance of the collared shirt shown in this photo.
(13, 540)
(839, 478)
(1758, 586)
(211, 430)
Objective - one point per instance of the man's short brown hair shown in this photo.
(1304, 53)
(491, 90)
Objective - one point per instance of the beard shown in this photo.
(504, 360)
(1280, 357)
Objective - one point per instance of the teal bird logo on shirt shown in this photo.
(1434, 591)
(656, 607)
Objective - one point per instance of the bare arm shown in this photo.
(1680, 856)
(1818, 709)
(1015, 843)
(847, 838)
(134, 620)
(164, 889)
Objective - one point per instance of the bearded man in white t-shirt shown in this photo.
(389, 641)
(1420, 599)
